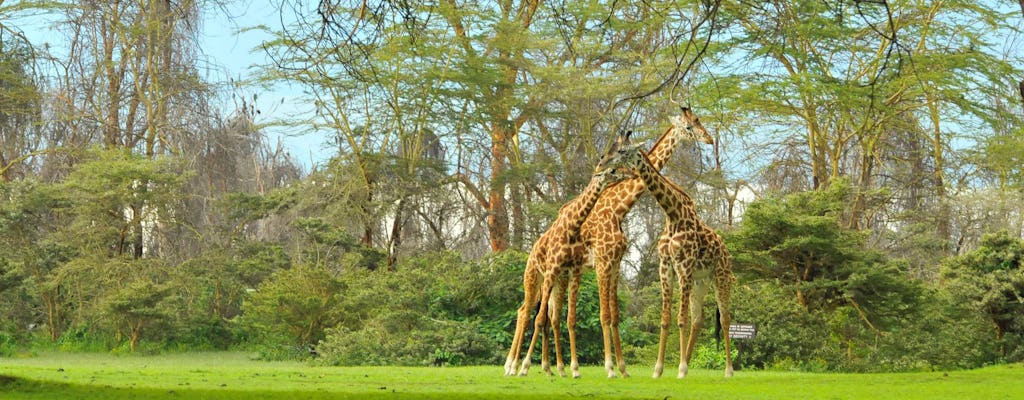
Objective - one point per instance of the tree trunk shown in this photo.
(133, 341)
(364, 208)
(52, 314)
(3, 168)
(942, 226)
(857, 209)
(497, 215)
(111, 128)
(396, 235)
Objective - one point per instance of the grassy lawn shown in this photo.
(234, 376)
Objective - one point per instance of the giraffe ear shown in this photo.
(621, 141)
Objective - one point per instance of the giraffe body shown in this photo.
(691, 250)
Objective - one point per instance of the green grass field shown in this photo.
(234, 376)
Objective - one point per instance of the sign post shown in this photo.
(741, 332)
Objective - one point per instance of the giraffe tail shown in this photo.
(718, 328)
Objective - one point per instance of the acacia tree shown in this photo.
(101, 273)
(856, 82)
(30, 212)
(519, 93)
(20, 105)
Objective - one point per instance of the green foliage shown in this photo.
(933, 335)
(798, 241)
(708, 355)
(30, 213)
(436, 309)
(330, 245)
(822, 299)
(989, 281)
(212, 289)
(112, 193)
(8, 344)
(84, 338)
(293, 307)
(787, 334)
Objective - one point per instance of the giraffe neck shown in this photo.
(662, 150)
(626, 193)
(672, 199)
(576, 212)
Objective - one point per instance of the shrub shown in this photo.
(433, 310)
(293, 308)
(8, 344)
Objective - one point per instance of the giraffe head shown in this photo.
(688, 126)
(609, 169)
(621, 160)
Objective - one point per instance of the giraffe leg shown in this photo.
(613, 306)
(604, 294)
(522, 318)
(574, 294)
(665, 274)
(555, 320)
(723, 291)
(685, 277)
(539, 324)
(725, 321)
(696, 314)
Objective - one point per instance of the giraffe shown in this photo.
(605, 242)
(693, 250)
(555, 255)
(603, 247)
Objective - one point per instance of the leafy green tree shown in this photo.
(212, 287)
(111, 208)
(30, 255)
(136, 296)
(291, 310)
(798, 242)
(866, 90)
(117, 200)
(518, 92)
(990, 281)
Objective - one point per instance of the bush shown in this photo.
(437, 343)
(293, 308)
(433, 310)
(788, 336)
(8, 344)
(83, 338)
